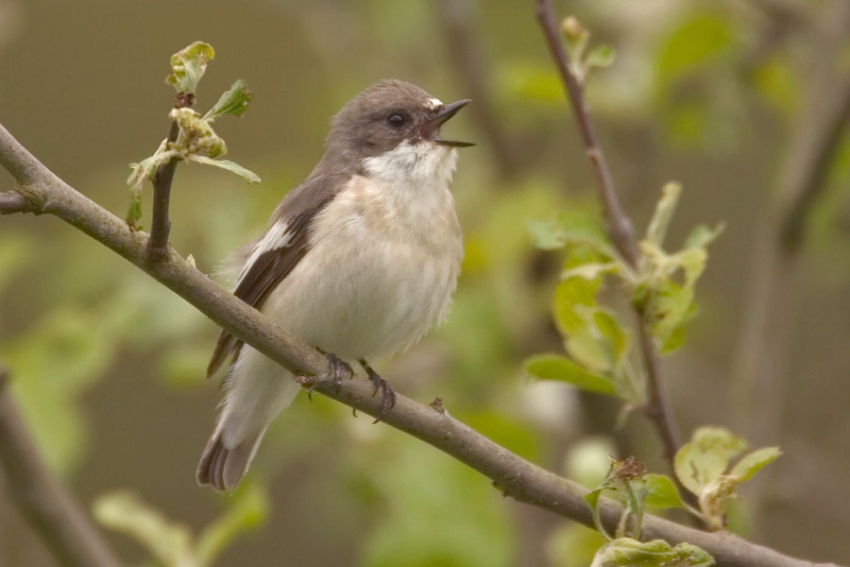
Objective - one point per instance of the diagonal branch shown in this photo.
(52, 511)
(619, 227)
(516, 477)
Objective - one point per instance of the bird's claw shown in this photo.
(339, 368)
(388, 394)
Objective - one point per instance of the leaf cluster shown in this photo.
(172, 544)
(597, 343)
(196, 141)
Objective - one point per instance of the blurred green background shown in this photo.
(108, 365)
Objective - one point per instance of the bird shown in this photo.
(360, 260)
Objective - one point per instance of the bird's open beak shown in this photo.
(431, 129)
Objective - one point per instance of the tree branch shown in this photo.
(12, 202)
(516, 477)
(619, 227)
(162, 178)
(52, 511)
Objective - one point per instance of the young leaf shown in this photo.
(227, 165)
(696, 468)
(545, 235)
(663, 213)
(626, 552)
(249, 510)
(702, 235)
(662, 492)
(235, 101)
(592, 499)
(591, 271)
(188, 66)
(600, 56)
(614, 332)
(719, 438)
(170, 543)
(572, 227)
(554, 367)
(754, 462)
(134, 213)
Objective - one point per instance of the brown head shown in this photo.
(383, 116)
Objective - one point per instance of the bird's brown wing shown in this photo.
(280, 254)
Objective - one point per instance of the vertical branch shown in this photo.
(619, 227)
(52, 511)
(760, 360)
(157, 248)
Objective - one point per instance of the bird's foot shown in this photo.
(339, 369)
(387, 395)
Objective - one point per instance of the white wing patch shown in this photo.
(277, 236)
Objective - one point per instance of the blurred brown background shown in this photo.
(108, 366)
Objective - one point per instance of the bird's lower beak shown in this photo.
(431, 129)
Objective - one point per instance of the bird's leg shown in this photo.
(339, 368)
(388, 394)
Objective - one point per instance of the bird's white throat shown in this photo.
(416, 163)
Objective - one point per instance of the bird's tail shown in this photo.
(222, 468)
(258, 389)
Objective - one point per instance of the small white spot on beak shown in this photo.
(435, 102)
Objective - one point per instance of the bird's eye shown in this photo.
(397, 120)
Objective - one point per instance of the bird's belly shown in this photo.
(366, 299)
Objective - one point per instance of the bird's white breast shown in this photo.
(384, 259)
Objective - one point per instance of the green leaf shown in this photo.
(170, 543)
(188, 66)
(572, 228)
(591, 271)
(627, 552)
(702, 235)
(719, 438)
(614, 332)
(554, 367)
(706, 457)
(227, 165)
(663, 213)
(235, 101)
(545, 235)
(754, 462)
(249, 510)
(592, 499)
(600, 56)
(662, 492)
(672, 307)
(694, 43)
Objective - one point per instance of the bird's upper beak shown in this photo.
(431, 129)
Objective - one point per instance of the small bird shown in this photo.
(359, 260)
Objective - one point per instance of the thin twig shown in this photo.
(619, 227)
(160, 222)
(12, 202)
(52, 511)
(518, 478)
